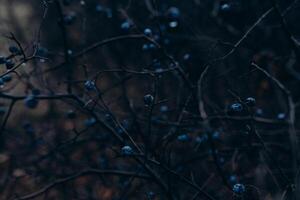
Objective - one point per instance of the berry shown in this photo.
(148, 99)
(235, 108)
(183, 138)
(173, 24)
(238, 189)
(225, 7)
(89, 122)
(2, 60)
(125, 26)
(99, 8)
(150, 195)
(9, 64)
(7, 78)
(148, 32)
(174, 13)
(126, 150)
(1, 82)
(186, 57)
(69, 19)
(14, 50)
(31, 102)
(281, 116)
(164, 108)
(233, 179)
(216, 135)
(250, 101)
(90, 85)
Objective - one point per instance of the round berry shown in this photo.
(9, 64)
(148, 99)
(90, 85)
(238, 189)
(148, 32)
(125, 26)
(174, 12)
(2, 60)
(235, 108)
(14, 50)
(31, 102)
(89, 122)
(183, 138)
(250, 101)
(7, 78)
(126, 150)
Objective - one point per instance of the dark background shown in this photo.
(169, 81)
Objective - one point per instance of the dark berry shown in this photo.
(7, 78)
(90, 85)
(148, 99)
(238, 189)
(250, 101)
(126, 150)
(90, 122)
(2, 60)
(235, 108)
(14, 50)
(9, 64)
(183, 138)
(148, 32)
(174, 13)
(31, 102)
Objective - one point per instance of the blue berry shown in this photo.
(125, 26)
(2, 60)
(164, 108)
(1, 82)
(69, 19)
(183, 138)
(126, 150)
(238, 188)
(233, 179)
(281, 116)
(225, 7)
(9, 64)
(148, 32)
(99, 8)
(250, 101)
(236, 107)
(90, 85)
(216, 135)
(7, 78)
(31, 102)
(150, 195)
(173, 24)
(89, 122)
(186, 57)
(174, 12)
(14, 50)
(148, 99)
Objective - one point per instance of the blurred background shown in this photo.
(148, 99)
